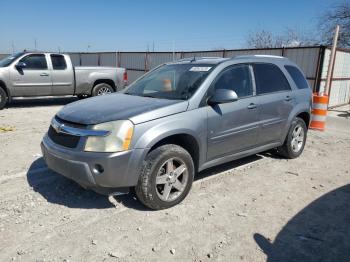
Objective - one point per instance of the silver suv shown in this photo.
(177, 120)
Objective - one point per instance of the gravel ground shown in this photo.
(261, 208)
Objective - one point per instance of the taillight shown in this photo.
(125, 77)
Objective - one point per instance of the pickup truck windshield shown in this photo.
(175, 81)
(8, 60)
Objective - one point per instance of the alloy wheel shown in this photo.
(297, 138)
(103, 91)
(171, 180)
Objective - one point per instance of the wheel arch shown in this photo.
(105, 81)
(183, 139)
(305, 116)
(3, 86)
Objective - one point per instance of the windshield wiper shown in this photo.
(146, 95)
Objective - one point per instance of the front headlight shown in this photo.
(118, 139)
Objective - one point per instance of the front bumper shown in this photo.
(104, 173)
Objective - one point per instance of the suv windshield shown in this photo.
(174, 81)
(8, 60)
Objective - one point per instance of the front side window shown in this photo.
(174, 81)
(236, 78)
(297, 76)
(58, 62)
(34, 62)
(269, 79)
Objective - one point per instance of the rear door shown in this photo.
(276, 102)
(62, 75)
(34, 79)
(233, 127)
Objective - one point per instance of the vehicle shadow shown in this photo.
(319, 232)
(40, 101)
(341, 113)
(130, 200)
(59, 190)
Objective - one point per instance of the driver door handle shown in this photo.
(44, 74)
(252, 106)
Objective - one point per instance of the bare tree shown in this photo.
(288, 38)
(261, 39)
(338, 15)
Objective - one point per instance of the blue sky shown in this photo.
(135, 25)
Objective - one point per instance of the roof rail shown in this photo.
(194, 58)
(251, 56)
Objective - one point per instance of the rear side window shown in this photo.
(297, 76)
(269, 79)
(35, 62)
(58, 62)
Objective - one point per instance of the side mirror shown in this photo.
(20, 65)
(223, 96)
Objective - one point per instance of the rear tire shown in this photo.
(3, 98)
(295, 140)
(102, 89)
(166, 177)
(82, 96)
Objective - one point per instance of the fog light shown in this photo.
(98, 169)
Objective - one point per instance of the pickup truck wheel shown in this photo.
(295, 140)
(102, 89)
(166, 177)
(3, 98)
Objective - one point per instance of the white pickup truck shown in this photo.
(52, 74)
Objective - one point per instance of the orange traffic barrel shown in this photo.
(319, 112)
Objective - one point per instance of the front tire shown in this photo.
(295, 140)
(102, 89)
(166, 177)
(3, 98)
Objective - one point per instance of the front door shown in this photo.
(233, 127)
(33, 79)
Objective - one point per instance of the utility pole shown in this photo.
(153, 47)
(173, 50)
(331, 61)
(35, 44)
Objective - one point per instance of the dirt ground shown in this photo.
(261, 208)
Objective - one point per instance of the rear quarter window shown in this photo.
(269, 79)
(58, 62)
(297, 77)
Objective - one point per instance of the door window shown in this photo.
(269, 79)
(35, 62)
(58, 62)
(236, 78)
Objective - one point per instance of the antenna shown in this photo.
(13, 47)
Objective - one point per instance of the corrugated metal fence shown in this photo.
(137, 63)
(312, 60)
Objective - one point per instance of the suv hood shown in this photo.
(112, 107)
